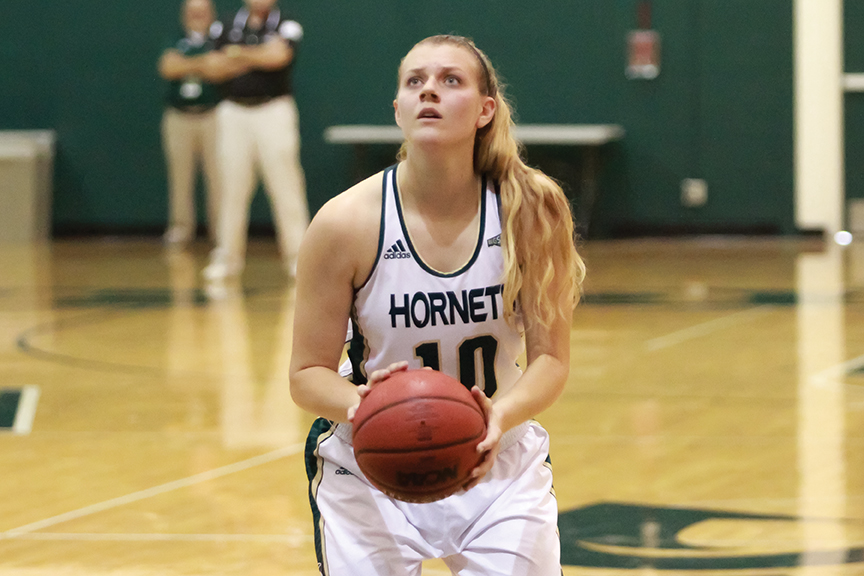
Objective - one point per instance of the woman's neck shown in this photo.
(441, 209)
(439, 185)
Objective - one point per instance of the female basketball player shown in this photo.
(460, 222)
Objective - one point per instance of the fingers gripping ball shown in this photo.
(416, 435)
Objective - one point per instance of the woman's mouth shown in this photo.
(428, 113)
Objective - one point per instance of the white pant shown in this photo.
(267, 137)
(504, 526)
(189, 140)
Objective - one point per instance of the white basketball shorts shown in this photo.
(504, 526)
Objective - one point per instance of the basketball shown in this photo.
(416, 435)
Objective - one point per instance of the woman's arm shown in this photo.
(337, 252)
(548, 366)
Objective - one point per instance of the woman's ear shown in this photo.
(396, 112)
(487, 112)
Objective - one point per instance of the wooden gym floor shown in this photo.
(713, 422)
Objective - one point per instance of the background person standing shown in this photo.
(258, 124)
(189, 130)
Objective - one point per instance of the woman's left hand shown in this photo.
(490, 445)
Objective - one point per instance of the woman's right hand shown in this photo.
(376, 377)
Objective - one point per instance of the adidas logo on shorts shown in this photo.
(397, 251)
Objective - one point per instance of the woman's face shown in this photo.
(439, 98)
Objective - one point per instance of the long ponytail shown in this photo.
(538, 236)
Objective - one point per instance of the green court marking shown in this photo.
(157, 298)
(775, 298)
(18, 409)
(9, 400)
(631, 536)
(612, 298)
(716, 297)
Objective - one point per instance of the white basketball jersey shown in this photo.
(452, 322)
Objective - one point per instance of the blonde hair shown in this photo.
(538, 237)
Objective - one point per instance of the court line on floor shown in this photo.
(838, 373)
(26, 410)
(155, 491)
(706, 328)
(292, 539)
(24, 344)
(102, 314)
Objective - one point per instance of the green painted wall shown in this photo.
(720, 110)
(853, 34)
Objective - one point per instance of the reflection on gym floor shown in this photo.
(713, 421)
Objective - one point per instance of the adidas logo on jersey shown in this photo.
(397, 251)
(494, 241)
(342, 471)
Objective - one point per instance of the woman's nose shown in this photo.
(430, 91)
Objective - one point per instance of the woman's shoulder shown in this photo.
(344, 232)
(355, 205)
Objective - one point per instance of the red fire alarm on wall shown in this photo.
(643, 47)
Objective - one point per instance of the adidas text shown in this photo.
(397, 251)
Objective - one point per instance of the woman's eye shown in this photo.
(452, 80)
(413, 81)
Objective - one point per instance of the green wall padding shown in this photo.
(721, 108)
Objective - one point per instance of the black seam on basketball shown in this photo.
(420, 497)
(416, 449)
(473, 406)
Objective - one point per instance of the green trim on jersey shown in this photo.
(320, 431)
(420, 261)
(358, 349)
(358, 353)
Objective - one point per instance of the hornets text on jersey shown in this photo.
(449, 321)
